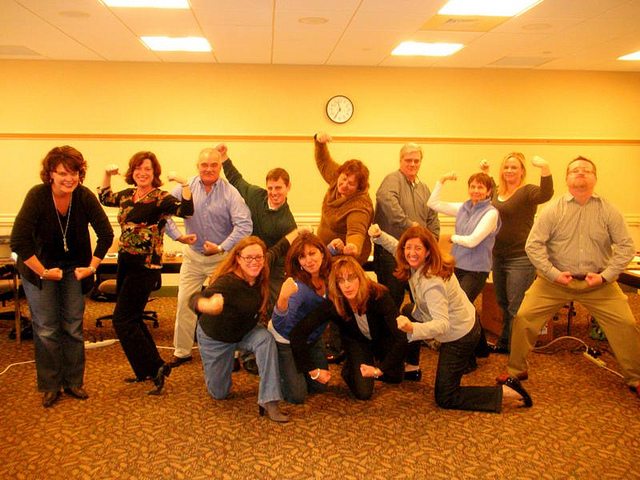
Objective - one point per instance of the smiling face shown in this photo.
(512, 171)
(143, 174)
(251, 261)
(347, 185)
(415, 253)
(478, 192)
(277, 190)
(311, 260)
(63, 181)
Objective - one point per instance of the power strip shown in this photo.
(593, 359)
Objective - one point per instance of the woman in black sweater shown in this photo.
(51, 237)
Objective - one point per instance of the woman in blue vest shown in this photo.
(477, 224)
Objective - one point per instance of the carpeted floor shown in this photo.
(584, 423)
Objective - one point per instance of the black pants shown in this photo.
(384, 264)
(472, 284)
(135, 284)
(452, 362)
(359, 352)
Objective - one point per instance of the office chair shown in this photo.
(108, 288)
(8, 292)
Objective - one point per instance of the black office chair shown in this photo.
(11, 291)
(107, 290)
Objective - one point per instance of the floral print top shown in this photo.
(142, 222)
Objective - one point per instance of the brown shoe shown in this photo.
(502, 378)
(177, 361)
(77, 392)
(49, 398)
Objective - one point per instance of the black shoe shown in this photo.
(49, 398)
(413, 375)
(498, 349)
(514, 384)
(158, 380)
(251, 366)
(177, 361)
(77, 392)
(273, 412)
(336, 357)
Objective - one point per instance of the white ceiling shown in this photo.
(554, 35)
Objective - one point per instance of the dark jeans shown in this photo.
(452, 362)
(413, 349)
(359, 352)
(294, 384)
(384, 264)
(472, 284)
(135, 284)
(56, 313)
(512, 277)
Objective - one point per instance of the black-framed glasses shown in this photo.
(252, 258)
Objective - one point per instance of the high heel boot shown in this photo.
(273, 412)
(158, 380)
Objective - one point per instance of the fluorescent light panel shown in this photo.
(176, 4)
(487, 8)
(177, 44)
(427, 49)
(631, 56)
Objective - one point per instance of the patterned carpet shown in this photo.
(584, 424)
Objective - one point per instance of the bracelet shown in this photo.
(317, 376)
(44, 273)
(375, 373)
(92, 268)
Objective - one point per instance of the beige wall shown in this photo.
(268, 114)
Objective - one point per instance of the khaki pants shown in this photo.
(606, 303)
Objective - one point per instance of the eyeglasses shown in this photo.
(352, 277)
(252, 258)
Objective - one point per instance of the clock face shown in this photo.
(339, 109)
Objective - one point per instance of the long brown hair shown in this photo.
(296, 250)
(437, 263)
(230, 264)
(347, 265)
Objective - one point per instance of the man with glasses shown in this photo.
(579, 245)
(220, 219)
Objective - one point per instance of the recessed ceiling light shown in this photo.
(184, 4)
(427, 49)
(313, 20)
(177, 44)
(631, 56)
(487, 8)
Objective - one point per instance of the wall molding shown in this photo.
(168, 137)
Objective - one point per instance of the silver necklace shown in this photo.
(66, 227)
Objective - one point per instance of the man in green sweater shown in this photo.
(271, 216)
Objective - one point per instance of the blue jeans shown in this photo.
(217, 362)
(452, 362)
(56, 312)
(512, 277)
(295, 384)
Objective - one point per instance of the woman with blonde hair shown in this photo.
(230, 311)
(517, 202)
(443, 312)
(365, 315)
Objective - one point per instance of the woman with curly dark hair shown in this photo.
(51, 237)
(143, 213)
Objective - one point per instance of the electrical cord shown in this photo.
(14, 364)
(589, 353)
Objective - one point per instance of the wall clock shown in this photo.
(339, 109)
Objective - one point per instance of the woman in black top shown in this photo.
(230, 312)
(51, 237)
(143, 213)
(366, 316)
